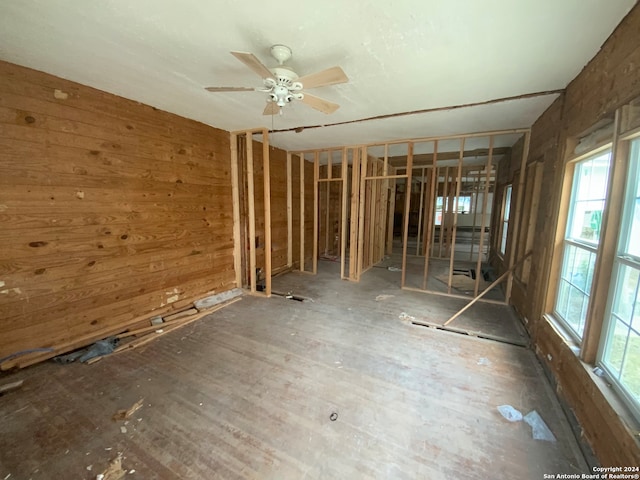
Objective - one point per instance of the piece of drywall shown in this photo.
(109, 210)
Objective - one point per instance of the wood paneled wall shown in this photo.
(109, 211)
(609, 81)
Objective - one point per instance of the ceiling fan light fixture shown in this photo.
(282, 83)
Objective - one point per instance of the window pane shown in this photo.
(575, 286)
(589, 193)
(628, 245)
(634, 247)
(626, 293)
(503, 240)
(616, 344)
(505, 219)
(507, 203)
(635, 319)
(630, 377)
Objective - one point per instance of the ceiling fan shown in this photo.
(283, 85)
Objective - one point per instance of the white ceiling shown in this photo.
(400, 55)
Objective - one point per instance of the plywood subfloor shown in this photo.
(247, 393)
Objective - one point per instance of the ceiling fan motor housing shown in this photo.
(284, 75)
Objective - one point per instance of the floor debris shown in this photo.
(510, 413)
(124, 414)
(539, 429)
(114, 471)
(381, 298)
(406, 317)
(483, 361)
(8, 387)
(394, 269)
(98, 349)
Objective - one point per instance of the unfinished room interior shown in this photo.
(324, 240)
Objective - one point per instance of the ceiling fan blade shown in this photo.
(251, 61)
(325, 106)
(272, 108)
(229, 89)
(330, 76)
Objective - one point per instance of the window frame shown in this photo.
(567, 240)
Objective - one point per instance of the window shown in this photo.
(581, 241)
(506, 210)
(464, 206)
(619, 353)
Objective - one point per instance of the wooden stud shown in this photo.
(235, 186)
(425, 211)
(407, 204)
(361, 210)
(316, 174)
(507, 273)
(485, 200)
(433, 196)
(355, 218)
(454, 230)
(329, 180)
(252, 214)
(420, 213)
(382, 224)
(289, 213)
(343, 219)
(383, 177)
(374, 203)
(515, 225)
(302, 213)
(454, 295)
(391, 215)
(328, 207)
(474, 211)
(385, 168)
(267, 211)
(384, 216)
(445, 207)
(451, 207)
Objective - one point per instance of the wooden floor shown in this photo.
(248, 391)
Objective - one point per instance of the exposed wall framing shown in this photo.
(253, 241)
(365, 199)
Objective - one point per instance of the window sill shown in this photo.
(563, 333)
